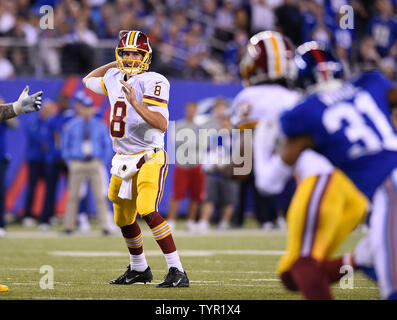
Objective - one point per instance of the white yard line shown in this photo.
(182, 253)
(177, 233)
(218, 283)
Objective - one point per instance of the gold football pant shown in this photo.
(325, 209)
(147, 190)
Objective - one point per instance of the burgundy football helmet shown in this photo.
(135, 41)
(268, 57)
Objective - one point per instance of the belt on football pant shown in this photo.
(141, 161)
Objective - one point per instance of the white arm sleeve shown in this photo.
(95, 84)
(273, 176)
(271, 173)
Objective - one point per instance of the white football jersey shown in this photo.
(260, 107)
(130, 133)
(265, 101)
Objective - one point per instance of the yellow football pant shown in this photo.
(147, 190)
(325, 209)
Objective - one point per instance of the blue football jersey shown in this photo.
(384, 33)
(351, 127)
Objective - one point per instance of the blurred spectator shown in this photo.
(289, 21)
(78, 53)
(188, 177)
(242, 20)
(6, 67)
(383, 28)
(3, 168)
(344, 40)
(193, 69)
(106, 24)
(85, 145)
(225, 17)
(368, 56)
(24, 30)
(20, 63)
(224, 25)
(221, 193)
(317, 25)
(86, 32)
(4, 160)
(54, 165)
(7, 15)
(262, 12)
(206, 14)
(36, 134)
(234, 51)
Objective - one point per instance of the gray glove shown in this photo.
(26, 103)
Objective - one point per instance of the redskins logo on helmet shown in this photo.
(268, 57)
(134, 41)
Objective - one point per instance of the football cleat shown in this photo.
(174, 279)
(133, 276)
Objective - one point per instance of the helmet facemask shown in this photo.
(132, 66)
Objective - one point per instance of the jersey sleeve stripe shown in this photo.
(104, 87)
(155, 101)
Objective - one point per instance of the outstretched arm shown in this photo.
(6, 112)
(25, 104)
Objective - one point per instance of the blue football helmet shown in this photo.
(316, 64)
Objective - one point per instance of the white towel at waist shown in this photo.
(125, 167)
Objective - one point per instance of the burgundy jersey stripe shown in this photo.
(155, 99)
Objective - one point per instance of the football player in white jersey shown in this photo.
(265, 69)
(138, 121)
(307, 265)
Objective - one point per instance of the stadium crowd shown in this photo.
(191, 39)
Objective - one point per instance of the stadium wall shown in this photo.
(17, 174)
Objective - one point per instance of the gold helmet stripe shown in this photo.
(276, 55)
(131, 38)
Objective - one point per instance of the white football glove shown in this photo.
(26, 103)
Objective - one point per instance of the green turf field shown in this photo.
(239, 264)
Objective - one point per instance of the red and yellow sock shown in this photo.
(162, 234)
(133, 238)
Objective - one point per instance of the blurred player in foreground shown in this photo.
(139, 119)
(25, 104)
(349, 123)
(267, 67)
